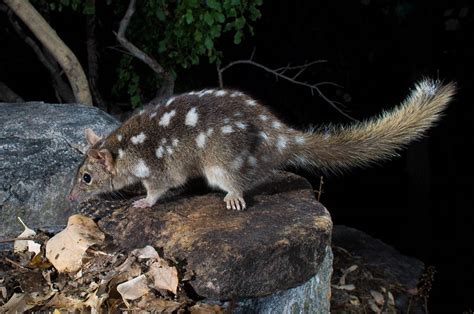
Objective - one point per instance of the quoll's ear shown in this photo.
(91, 137)
(108, 160)
(104, 157)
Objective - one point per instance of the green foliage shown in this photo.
(178, 33)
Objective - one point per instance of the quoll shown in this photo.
(234, 142)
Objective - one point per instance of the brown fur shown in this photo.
(246, 143)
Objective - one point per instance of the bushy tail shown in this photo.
(379, 138)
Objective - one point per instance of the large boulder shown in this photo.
(280, 242)
(38, 155)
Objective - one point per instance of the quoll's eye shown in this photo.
(87, 178)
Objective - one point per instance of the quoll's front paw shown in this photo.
(142, 203)
(234, 201)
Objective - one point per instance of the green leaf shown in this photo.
(220, 17)
(213, 4)
(235, 2)
(238, 37)
(189, 16)
(160, 15)
(162, 46)
(208, 18)
(240, 22)
(135, 100)
(209, 43)
(197, 36)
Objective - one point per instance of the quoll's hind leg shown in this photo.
(219, 177)
(153, 193)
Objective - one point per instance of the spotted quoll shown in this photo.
(234, 142)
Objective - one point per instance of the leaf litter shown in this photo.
(76, 271)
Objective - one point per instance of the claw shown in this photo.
(234, 202)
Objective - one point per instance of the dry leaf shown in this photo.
(146, 252)
(23, 245)
(164, 276)
(66, 249)
(3, 292)
(134, 288)
(391, 299)
(349, 287)
(202, 308)
(95, 302)
(374, 306)
(16, 304)
(345, 272)
(158, 305)
(378, 297)
(67, 302)
(354, 300)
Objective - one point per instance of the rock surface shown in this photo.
(278, 243)
(312, 296)
(379, 265)
(38, 160)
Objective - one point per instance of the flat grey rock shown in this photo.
(278, 243)
(38, 159)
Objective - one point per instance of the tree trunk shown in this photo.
(93, 61)
(63, 55)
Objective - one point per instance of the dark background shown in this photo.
(420, 203)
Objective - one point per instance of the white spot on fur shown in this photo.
(252, 161)
(299, 139)
(159, 152)
(226, 120)
(138, 139)
(226, 129)
(163, 141)
(205, 92)
(175, 142)
(210, 131)
(263, 117)
(193, 93)
(251, 102)
(165, 119)
(141, 111)
(201, 140)
(238, 114)
(264, 136)
(191, 117)
(276, 125)
(236, 94)
(140, 169)
(153, 115)
(170, 101)
(281, 142)
(241, 125)
(237, 163)
(221, 93)
(121, 153)
(119, 137)
(169, 150)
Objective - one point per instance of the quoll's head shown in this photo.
(94, 175)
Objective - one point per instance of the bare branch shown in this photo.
(280, 73)
(50, 39)
(93, 59)
(62, 89)
(167, 88)
(8, 95)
